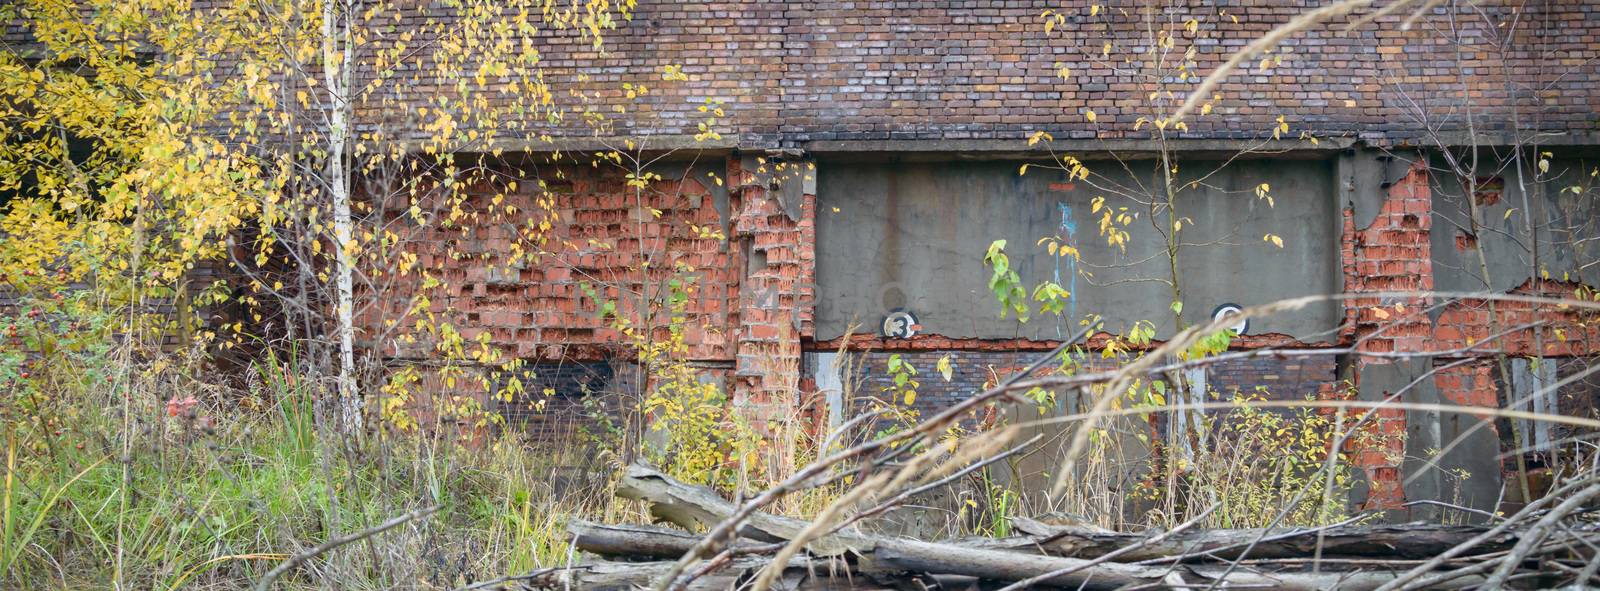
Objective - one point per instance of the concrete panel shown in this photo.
(1362, 174)
(1564, 225)
(1468, 474)
(913, 235)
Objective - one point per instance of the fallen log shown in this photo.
(1390, 542)
(698, 508)
(894, 558)
(640, 541)
(802, 574)
(882, 557)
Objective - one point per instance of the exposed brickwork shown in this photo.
(749, 305)
(1471, 384)
(971, 371)
(599, 232)
(1378, 449)
(1283, 379)
(1390, 255)
(1562, 333)
(774, 295)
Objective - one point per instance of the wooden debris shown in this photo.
(1359, 557)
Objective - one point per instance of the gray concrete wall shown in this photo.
(1564, 226)
(913, 235)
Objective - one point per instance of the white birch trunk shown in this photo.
(336, 54)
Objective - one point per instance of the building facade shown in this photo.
(871, 158)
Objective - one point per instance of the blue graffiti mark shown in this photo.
(1070, 227)
(1066, 219)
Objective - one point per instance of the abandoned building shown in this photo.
(908, 123)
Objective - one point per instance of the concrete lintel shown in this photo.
(1463, 139)
(649, 145)
(1019, 148)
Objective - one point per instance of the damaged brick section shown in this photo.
(526, 295)
(1391, 255)
(1521, 328)
(535, 307)
(749, 301)
(775, 294)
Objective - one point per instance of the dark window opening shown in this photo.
(552, 390)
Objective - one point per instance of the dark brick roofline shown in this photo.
(819, 72)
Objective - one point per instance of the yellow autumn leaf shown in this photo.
(1089, 114)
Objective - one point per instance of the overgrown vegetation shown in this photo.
(109, 485)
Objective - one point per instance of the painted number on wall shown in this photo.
(900, 324)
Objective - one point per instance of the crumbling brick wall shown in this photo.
(743, 260)
(624, 247)
(1392, 254)
(776, 291)
(535, 307)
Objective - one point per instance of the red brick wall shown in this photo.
(536, 307)
(1390, 255)
(1561, 333)
(749, 304)
(775, 295)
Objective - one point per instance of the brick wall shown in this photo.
(536, 308)
(748, 296)
(1560, 333)
(776, 291)
(793, 72)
